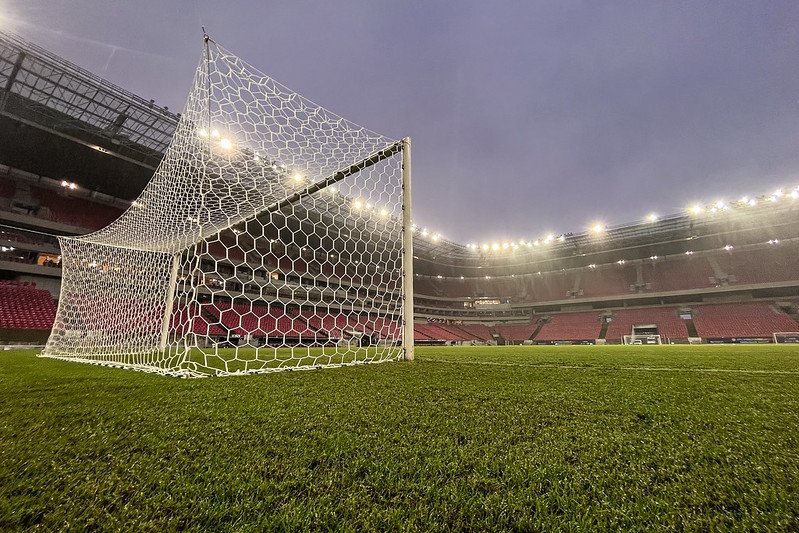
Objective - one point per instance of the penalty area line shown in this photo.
(626, 368)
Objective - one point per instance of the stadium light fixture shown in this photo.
(728, 247)
(505, 245)
(652, 218)
(369, 206)
(689, 252)
(298, 177)
(621, 261)
(495, 246)
(774, 241)
(214, 133)
(696, 209)
(357, 204)
(424, 232)
(436, 237)
(203, 133)
(794, 194)
(562, 238)
(226, 144)
(485, 247)
(778, 193)
(383, 212)
(597, 228)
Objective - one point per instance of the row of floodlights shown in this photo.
(622, 262)
(719, 206)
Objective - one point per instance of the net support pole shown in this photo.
(407, 253)
(170, 298)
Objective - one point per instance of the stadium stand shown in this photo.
(23, 306)
(608, 281)
(669, 324)
(571, 326)
(516, 332)
(753, 319)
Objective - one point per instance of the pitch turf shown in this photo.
(523, 438)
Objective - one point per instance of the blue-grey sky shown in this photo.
(527, 117)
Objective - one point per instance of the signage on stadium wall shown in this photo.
(565, 343)
(739, 340)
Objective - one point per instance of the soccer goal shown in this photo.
(641, 339)
(274, 235)
(789, 337)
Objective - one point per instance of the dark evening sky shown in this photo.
(526, 117)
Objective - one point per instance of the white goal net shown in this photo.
(270, 237)
(641, 339)
(786, 337)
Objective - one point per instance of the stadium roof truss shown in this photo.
(45, 91)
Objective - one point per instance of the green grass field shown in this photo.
(667, 438)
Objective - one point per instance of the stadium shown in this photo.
(310, 282)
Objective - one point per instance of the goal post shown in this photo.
(274, 235)
(641, 339)
(786, 337)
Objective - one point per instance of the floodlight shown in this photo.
(203, 133)
(298, 177)
(652, 218)
(215, 133)
(383, 212)
(597, 229)
(689, 252)
(696, 209)
(495, 246)
(436, 237)
(424, 232)
(485, 247)
(226, 144)
(728, 247)
(357, 205)
(778, 193)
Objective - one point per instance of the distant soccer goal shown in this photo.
(273, 235)
(790, 337)
(641, 339)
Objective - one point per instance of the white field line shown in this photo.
(634, 368)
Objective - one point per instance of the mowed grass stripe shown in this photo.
(419, 446)
(622, 368)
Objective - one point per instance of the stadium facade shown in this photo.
(78, 150)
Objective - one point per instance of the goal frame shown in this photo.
(631, 340)
(185, 301)
(792, 334)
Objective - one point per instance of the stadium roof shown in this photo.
(43, 90)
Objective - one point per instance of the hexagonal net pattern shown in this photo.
(270, 237)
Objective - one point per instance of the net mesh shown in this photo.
(269, 237)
